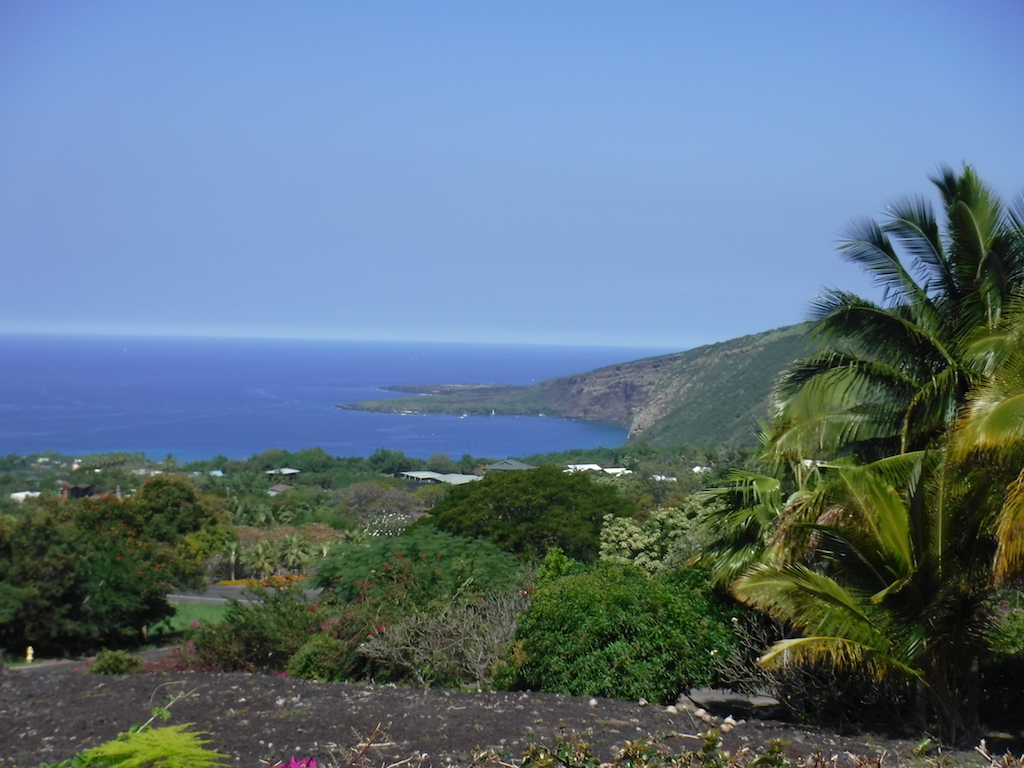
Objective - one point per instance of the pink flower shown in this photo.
(306, 762)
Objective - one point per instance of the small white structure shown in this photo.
(613, 471)
(584, 468)
(617, 471)
(20, 496)
(283, 471)
(699, 470)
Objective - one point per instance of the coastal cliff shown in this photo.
(714, 394)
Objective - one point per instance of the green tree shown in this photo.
(294, 553)
(79, 575)
(659, 540)
(529, 512)
(384, 507)
(166, 511)
(388, 462)
(416, 567)
(261, 559)
(888, 566)
(441, 462)
(891, 377)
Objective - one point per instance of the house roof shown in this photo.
(507, 465)
(451, 478)
(283, 471)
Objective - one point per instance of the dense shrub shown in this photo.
(454, 641)
(116, 663)
(258, 636)
(332, 652)
(416, 567)
(326, 658)
(613, 631)
(429, 616)
(529, 512)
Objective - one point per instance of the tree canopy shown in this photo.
(529, 512)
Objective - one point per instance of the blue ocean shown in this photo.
(199, 398)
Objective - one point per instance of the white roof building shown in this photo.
(449, 478)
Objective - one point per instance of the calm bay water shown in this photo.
(197, 398)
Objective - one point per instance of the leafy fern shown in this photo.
(167, 747)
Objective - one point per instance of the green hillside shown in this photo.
(710, 395)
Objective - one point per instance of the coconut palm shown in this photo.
(890, 377)
(888, 566)
(740, 525)
(294, 552)
(990, 435)
(900, 581)
(261, 558)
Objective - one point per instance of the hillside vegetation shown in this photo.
(710, 395)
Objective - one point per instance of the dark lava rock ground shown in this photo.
(50, 712)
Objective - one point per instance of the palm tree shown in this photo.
(891, 377)
(888, 566)
(261, 559)
(294, 552)
(899, 583)
(990, 435)
(740, 526)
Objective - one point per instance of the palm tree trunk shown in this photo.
(920, 707)
(951, 709)
(972, 689)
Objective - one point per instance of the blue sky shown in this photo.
(651, 173)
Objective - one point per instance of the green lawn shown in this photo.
(203, 613)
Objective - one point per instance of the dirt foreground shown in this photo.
(48, 714)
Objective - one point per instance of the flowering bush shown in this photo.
(662, 540)
(332, 653)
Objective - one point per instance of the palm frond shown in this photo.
(883, 510)
(913, 222)
(848, 324)
(934, 406)
(992, 425)
(866, 244)
(807, 600)
(838, 651)
(1009, 558)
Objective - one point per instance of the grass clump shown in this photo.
(116, 663)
